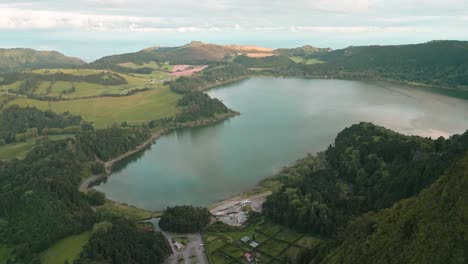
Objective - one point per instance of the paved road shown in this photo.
(194, 251)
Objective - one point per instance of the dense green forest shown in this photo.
(209, 77)
(368, 168)
(39, 198)
(184, 219)
(18, 123)
(436, 63)
(428, 228)
(110, 142)
(197, 106)
(372, 169)
(264, 62)
(109, 243)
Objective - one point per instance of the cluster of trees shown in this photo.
(436, 63)
(198, 105)
(208, 77)
(184, 219)
(31, 81)
(427, 228)
(264, 62)
(118, 240)
(22, 123)
(368, 168)
(40, 202)
(39, 199)
(110, 142)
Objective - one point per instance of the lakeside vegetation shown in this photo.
(373, 187)
(344, 194)
(184, 219)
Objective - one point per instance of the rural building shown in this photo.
(249, 257)
(254, 244)
(179, 246)
(245, 239)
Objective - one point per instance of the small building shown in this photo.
(249, 257)
(179, 246)
(254, 244)
(245, 239)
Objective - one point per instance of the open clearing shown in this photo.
(19, 150)
(66, 249)
(4, 254)
(275, 244)
(302, 60)
(104, 111)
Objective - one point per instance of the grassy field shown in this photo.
(105, 111)
(151, 64)
(130, 212)
(20, 150)
(276, 244)
(4, 254)
(160, 71)
(84, 89)
(66, 249)
(298, 59)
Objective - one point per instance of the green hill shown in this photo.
(379, 197)
(438, 63)
(429, 228)
(26, 59)
(193, 53)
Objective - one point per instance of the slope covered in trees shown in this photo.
(39, 198)
(435, 63)
(16, 121)
(428, 228)
(368, 168)
(118, 241)
(26, 59)
(380, 197)
(184, 219)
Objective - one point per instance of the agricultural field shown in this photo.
(276, 244)
(69, 89)
(19, 150)
(151, 64)
(160, 70)
(105, 111)
(66, 249)
(302, 60)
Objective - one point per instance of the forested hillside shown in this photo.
(428, 228)
(17, 124)
(39, 198)
(369, 169)
(435, 63)
(26, 59)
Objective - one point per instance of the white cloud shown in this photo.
(345, 6)
(357, 30)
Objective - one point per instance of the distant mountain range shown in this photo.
(435, 63)
(27, 59)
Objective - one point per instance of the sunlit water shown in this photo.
(281, 120)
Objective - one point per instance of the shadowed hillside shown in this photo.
(26, 59)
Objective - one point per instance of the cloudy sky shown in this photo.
(93, 28)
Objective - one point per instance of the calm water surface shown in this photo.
(281, 120)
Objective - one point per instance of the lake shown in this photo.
(282, 119)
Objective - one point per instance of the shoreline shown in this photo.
(87, 183)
